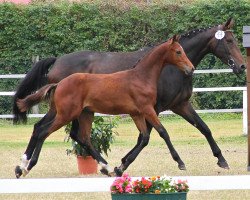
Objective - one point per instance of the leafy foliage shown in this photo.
(154, 185)
(102, 136)
(53, 29)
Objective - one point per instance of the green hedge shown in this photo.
(60, 28)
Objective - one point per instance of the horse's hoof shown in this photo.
(18, 172)
(104, 171)
(112, 174)
(182, 166)
(223, 165)
(118, 171)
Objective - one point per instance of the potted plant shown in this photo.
(154, 188)
(102, 136)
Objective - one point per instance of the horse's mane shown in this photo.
(194, 32)
(189, 34)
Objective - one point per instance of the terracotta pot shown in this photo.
(86, 165)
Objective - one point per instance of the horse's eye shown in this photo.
(178, 52)
(229, 41)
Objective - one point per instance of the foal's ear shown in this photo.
(229, 24)
(175, 38)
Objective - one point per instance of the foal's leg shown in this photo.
(38, 127)
(188, 113)
(74, 129)
(83, 138)
(144, 134)
(153, 119)
(139, 139)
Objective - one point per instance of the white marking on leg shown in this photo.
(105, 166)
(24, 164)
(121, 167)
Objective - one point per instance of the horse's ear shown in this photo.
(229, 24)
(175, 38)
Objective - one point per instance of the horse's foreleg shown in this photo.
(141, 143)
(83, 138)
(74, 129)
(152, 118)
(188, 113)
(139, 139)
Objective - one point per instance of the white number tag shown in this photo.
(219, 34)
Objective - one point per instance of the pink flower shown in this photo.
(179, 181)
(157, 184)
(128, 189)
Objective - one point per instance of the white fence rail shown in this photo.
(213, 89)
(63, 185)
(103, 184)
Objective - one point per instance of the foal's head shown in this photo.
(177, 56)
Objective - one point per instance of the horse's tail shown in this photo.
(35, 79)
(33, 99)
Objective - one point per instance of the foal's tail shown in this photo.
(35, 79)
(33, 99)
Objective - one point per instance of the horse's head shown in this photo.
(224, 46)
(178, 57)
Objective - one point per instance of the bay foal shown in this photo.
(80, 95)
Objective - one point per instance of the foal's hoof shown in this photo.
(104, 171)
(182, 166)
(112, 174)
(18, 172)
(109, 174)
(118, 171)
(223, 165)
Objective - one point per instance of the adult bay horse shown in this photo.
(173, 92)
(130, 92)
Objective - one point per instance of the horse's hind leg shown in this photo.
(22, 169)
(142, 127)
(188, 113)
(53, 124)
(83, 138)
(153, 119)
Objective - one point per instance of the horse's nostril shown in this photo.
(231, 62)
(243, 67)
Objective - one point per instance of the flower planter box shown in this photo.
(162, 196)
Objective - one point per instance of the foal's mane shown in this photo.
(151, 48)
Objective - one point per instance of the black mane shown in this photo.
(194, 32)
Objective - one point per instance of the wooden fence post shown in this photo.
(246, 44)
(35, 109)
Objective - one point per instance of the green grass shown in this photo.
(154, 159)
(180, 131)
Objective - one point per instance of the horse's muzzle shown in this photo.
(237, 69)
(189, 71)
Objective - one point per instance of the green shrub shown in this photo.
(102, 136)
(54, 29)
